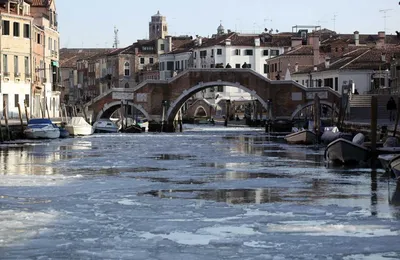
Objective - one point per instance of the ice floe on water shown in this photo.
(207, 193)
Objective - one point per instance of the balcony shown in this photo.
(17, 74)
(6, 74)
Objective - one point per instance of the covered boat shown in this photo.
(301, 137)
(105, 126)
(78, 126)
(345, 151)
(394, 165)
(41, 128)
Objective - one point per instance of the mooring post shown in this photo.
(228, 104)
(374, 123)
(47, 110)
(6, 120)
(1, 132)
(41, 109)
(397, 117)
(180, 120)
(317, 117)
(26, 113)
(20, 118)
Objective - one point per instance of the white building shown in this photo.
(366, 67)
(237, 50)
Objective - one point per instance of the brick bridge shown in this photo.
(288, 97)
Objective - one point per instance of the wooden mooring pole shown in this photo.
(26, 113)
(6, 120)
(1, 132)
(374, 123)
(20, 118)
(397, 117)
(317, 117)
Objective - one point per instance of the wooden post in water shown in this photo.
(84, 113)
(47, 109)
(1, 132)
(20, 118)
(41, 109)
(374, 123)
(397, 117)
(26, 113)
(228, 106)
(6, 120)
(317, 116)
(180, 120)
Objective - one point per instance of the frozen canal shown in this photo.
(208, 193)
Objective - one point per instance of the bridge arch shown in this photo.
(311, 103)
(111, 107)
(178, 102)
(200, 109)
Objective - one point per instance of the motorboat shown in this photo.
(63, 132)
(301, 137)
(385, 159)
(394, 165)
(105, 126)
(344, 151)
(41, 128)
(77, 126)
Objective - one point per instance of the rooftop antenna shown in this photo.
(334, 22)
(384, 11)
(116, 41)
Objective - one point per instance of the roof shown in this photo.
(69, 57)
(41, 3)
(358, 58)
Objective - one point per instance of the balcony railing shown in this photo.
(17, 74)
(6, 74)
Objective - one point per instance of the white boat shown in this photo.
(345, 151)
(301, 137)
(78, 126)
(41, 128)
(385, 159)
(105, 126)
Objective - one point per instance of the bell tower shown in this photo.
(158, 27)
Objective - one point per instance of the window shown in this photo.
(266, 68)
(26, 61)
(265, 52)
(16, 100)
(248, 66)
(162, 46)
(16, 71)
(6, 27)
(126, 85)
(336, 84)
(220, 89)
(219, 51)
(127, 69)
(212, 52)
(49, 43)
(27, 31)
(237, 65)
(141, 60)
(274, 52)
(55, 45)
(203, 54)
(237, 52)
(151, 60)
(170, 65)
(248, 52)
(176, 65)
(39, 38)
(16, 29)
(328, 82)
(26, 101)
(5, 63)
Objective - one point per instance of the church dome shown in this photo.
(221, 27)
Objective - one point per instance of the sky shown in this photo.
(90, 23)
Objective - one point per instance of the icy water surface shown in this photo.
(207, 193)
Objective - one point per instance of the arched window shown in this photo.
(127, 85)
(127, 69)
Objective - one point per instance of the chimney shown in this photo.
(296, 67)
(136, 51)
(327, 62)
(200, 41)
(228, 42)
(169, 43)
(315, 45)
(297, 41)
(356, 38)
(381, 40)
(315, 68)
(257, 42)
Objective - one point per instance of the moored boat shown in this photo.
(105, 126)
(385, 159)
(78, 126)
(394, 165)
(41, 128)
(345, 152)
(301, 137)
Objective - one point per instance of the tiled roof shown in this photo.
(69, 57)
(40, 3)
(301, 50)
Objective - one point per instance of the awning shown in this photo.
(54, 63)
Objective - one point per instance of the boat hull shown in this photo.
(42, 134)
(79, 130)
(346, 152)
(106, 130)
(301, 137)
(394, 165)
